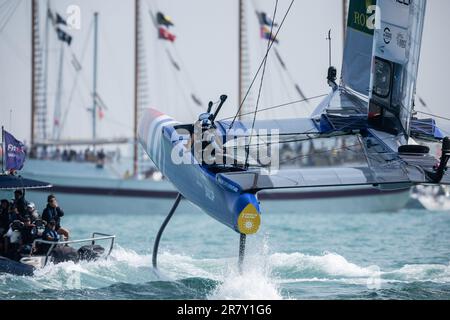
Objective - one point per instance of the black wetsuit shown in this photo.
(27, 234)
(4, 220)
(51, 213)
(21, 205)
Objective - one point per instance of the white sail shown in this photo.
(356, 68)
(396, 53)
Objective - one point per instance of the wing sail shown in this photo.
(358, 46)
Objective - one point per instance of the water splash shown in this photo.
(256, 281)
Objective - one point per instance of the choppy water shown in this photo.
(295, 256)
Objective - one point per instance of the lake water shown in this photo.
(296, 255)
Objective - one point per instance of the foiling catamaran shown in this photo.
(374, 103)
(73, 178)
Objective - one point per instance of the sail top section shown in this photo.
(358, 49)
(381, 58)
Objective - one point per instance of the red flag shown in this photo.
(165, 34)
(101, 114)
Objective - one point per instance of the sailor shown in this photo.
(32, 212)
(54, 212)
(13, 240)
(19, 202)
(27, 235)
(14, 214)
(4, 216)
(49, 234)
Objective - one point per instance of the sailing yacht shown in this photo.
(73, 181)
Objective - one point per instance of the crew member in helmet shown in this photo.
(32, 212)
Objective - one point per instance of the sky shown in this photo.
(206, 49)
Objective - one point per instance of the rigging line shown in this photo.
(310, 131)
(261, 65)
(183, 90)
(433, 115)
(5, 2)
(283, 81)
(387, 162)
(184, 69)
(5, 12)
(293, 82)
(291, 141)
(75, 83)
(279, 106)
(262, 80)
(11, 14)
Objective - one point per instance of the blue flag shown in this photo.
(14, 152)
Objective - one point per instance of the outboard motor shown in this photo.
(64, 253)
(90, 252)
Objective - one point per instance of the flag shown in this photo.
(265, 34)
(164, 20)
(165, 34)
(101, 113)
(65, 37)
(264, 19)
(60, 20)
(14, 152)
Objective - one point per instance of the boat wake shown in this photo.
(129, 275)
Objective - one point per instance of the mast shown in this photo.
(3, 151)
(244, 62)
(240, 95)
(47, 40)
(94, 90)
(136, 84)
(38, 102)
(58, 97)
(34, 31)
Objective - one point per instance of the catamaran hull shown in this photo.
(239, 211)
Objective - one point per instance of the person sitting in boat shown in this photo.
(13, 240)
(4, 216)
(50, 234)
(32, 212)
(27, 235)
(54, 212)
(14, 214)
(19, 202)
